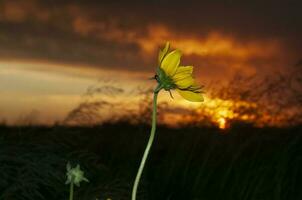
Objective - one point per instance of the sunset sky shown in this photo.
(51, 51)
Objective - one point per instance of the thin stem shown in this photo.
(151, 138)
(71, 191)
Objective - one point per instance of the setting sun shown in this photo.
(221, 123)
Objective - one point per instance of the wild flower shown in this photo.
(169, 76)
(74, 177)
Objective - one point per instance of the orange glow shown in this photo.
(221, 123)
(40, 73)
(221, 111)
(214, 110)
(54, 89)
(212, 44)
(62, 87)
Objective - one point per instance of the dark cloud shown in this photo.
(117, 35)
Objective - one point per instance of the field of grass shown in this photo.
(243, 163)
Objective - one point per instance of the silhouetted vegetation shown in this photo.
(272, 100)
(189, 163)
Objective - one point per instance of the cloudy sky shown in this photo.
(52, 50)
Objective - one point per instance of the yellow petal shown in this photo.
(184, 69)
(163, 52)
(170, 62)
(182, 72)
(183, 77)
(184, 81)
(190, 96)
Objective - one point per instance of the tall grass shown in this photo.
(243, 163)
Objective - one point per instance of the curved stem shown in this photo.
(151, 138)
(71, 191)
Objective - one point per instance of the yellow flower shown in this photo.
(170, 75)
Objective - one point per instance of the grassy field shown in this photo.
(242, 163)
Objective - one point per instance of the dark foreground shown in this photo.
(188, 164)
